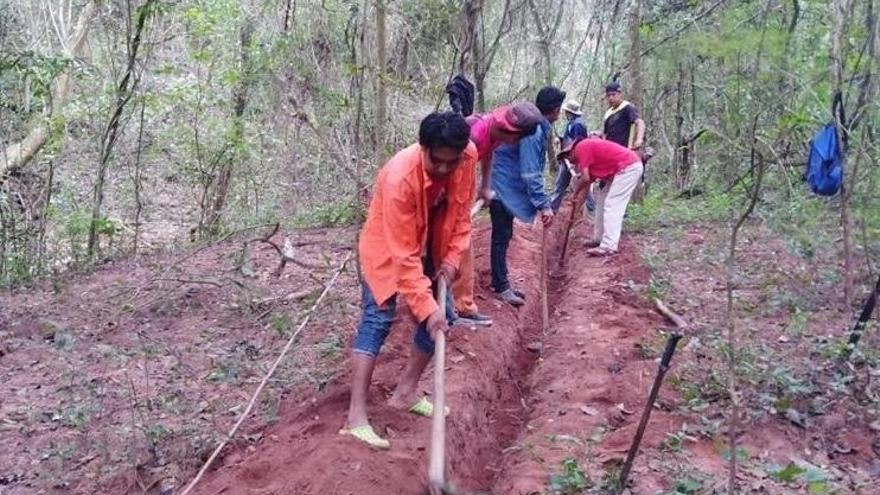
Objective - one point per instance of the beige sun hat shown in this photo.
(572, 107)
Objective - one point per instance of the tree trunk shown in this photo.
(240, 99)
(124, 91)
(840, 10)
(635, 93)
(18, 154)
(635, 51)
(680, 159)
(469, 42)
(381, 99)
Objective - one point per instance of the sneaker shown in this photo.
(473, 320)
(510, 297)
(520, 294)
(591, 244)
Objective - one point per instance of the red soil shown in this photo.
(496, 400)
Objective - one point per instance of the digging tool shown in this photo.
(478, 205)
(576, 202)
(862, 322)
(545, 309)
(438, 420)
(671, 343)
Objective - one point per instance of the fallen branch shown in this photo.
(266, 378)
(292, 297)
(286, 252)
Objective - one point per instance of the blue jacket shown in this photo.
(575, 129)
(518, 174)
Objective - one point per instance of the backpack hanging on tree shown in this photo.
(461, 95)
(825, 166)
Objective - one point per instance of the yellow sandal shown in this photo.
(366, 434)
(425, 408)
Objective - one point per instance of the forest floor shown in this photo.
(124, 380)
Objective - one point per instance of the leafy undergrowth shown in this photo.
(809, 418)
(124, 380)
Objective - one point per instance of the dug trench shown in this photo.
(522, 400)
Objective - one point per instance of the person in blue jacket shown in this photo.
(575, 129)
(518, 182)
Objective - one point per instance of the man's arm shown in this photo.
(640, 134)
(486, 178)
(399, 222)
(635, 118)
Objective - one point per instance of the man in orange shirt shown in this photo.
(417, 228)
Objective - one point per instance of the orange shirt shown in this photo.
(396, 231)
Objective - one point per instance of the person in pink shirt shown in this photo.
(599, 159)
(507, 124)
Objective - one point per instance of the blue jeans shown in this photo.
(376, 325)
(563, 179)
(502, 232)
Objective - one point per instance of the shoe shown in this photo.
(473, 320)
(425, 408)
(510, 297)
(591, 244)
(600, 252)
(368, 436)
(520, 294)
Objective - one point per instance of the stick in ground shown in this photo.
(671, 343)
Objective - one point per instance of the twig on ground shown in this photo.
(265, 380)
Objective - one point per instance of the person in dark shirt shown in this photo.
(574, 130)
(623, 123)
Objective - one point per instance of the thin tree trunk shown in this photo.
(381, 62)
(732, 385)
(124, 92)
(635, 53)
(679, 159)
(840, 10)
(138, 202)
(635, 93)
(240, 100)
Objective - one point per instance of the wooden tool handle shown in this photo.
(438, 421)
(545, 308)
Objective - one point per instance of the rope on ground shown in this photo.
(266, 378)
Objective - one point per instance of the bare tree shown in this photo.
(124, 91)
(239, 99)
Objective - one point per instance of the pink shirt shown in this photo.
(601, 158)
(480, 136)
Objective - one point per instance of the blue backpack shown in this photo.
(825, 167)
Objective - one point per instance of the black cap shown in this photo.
(612, 87)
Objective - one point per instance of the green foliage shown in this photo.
(572, 480)
(815, 478)
(328, 216)
(685, 486)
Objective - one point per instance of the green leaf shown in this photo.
(818, 488)
(788, 473)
